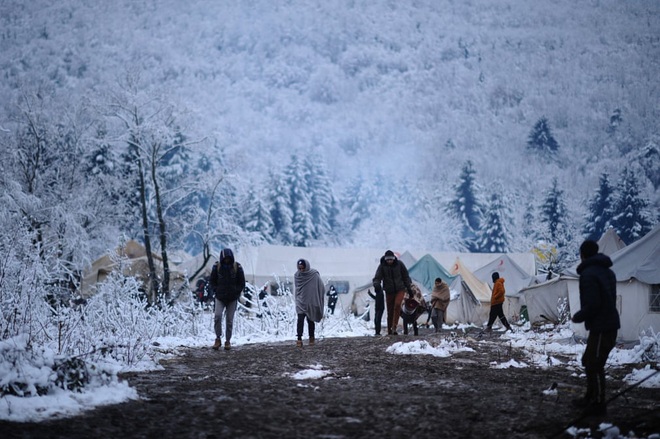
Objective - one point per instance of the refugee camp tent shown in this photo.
(637, 270)
(192, 265)
(426, 270)
(547, 302)
(408, 259)
(515, 279)
(473, 302)
(474, 261)
(273, 266)
(131, 259)
(610, 242)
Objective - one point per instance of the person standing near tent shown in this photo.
(601, 318)
(228, 281)
(439, 301)
(309, 297)
(392, 276)
(497, 303)
(332, 299)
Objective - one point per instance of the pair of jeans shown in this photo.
(229, 311)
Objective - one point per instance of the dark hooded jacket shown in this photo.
(597, 295)
(394, 277)
(227, 278)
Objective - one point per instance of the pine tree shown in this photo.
(356, 199)
(541, 138)
(557, 234)
(554, 216)
(256, 216)
(493, 235)
(630, 220)
(324, 209)
(649, 160)
(600, 210)
(465, 206)
(280, 211)
(297, 180)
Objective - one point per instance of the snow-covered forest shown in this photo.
(188, 126)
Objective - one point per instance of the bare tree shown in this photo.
(148, 129)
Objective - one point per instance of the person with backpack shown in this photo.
(228, 281)
(392, 276)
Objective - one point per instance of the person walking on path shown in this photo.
(309, 296)
(497, 303)
(439, 301)
(228, 281)
(598, 312)
(392, 277)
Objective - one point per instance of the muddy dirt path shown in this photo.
(250, 392)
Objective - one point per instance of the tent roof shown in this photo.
(515, 277)
(640, 259)
(408, 259)
(479, 289)
(331, 262)
(610, 242)
(427, 269)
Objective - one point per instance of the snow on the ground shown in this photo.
(543, 350)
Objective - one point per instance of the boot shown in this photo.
(311, 341)
(298, 343)
(227, 345)
(217, 344)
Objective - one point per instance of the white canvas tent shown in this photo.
(131, 259)
(637, 270)
(610, 242)
(546, 301)
(275, 265)
(515, 279)
(473, 302)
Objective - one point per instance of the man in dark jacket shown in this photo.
(228, 281)
(601, 318)
(392, 276)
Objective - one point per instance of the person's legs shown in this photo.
(380, 307)
(434, 319)
(398, 299)
(217, 323)
(494, 311)
(300, 326)
(229, 319)
(599, 346)
(500, 314)
(311, 326)
(389, 301)
(217, 319)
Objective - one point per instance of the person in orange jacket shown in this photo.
(497, 303)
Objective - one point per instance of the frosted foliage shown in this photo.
(370, 87)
